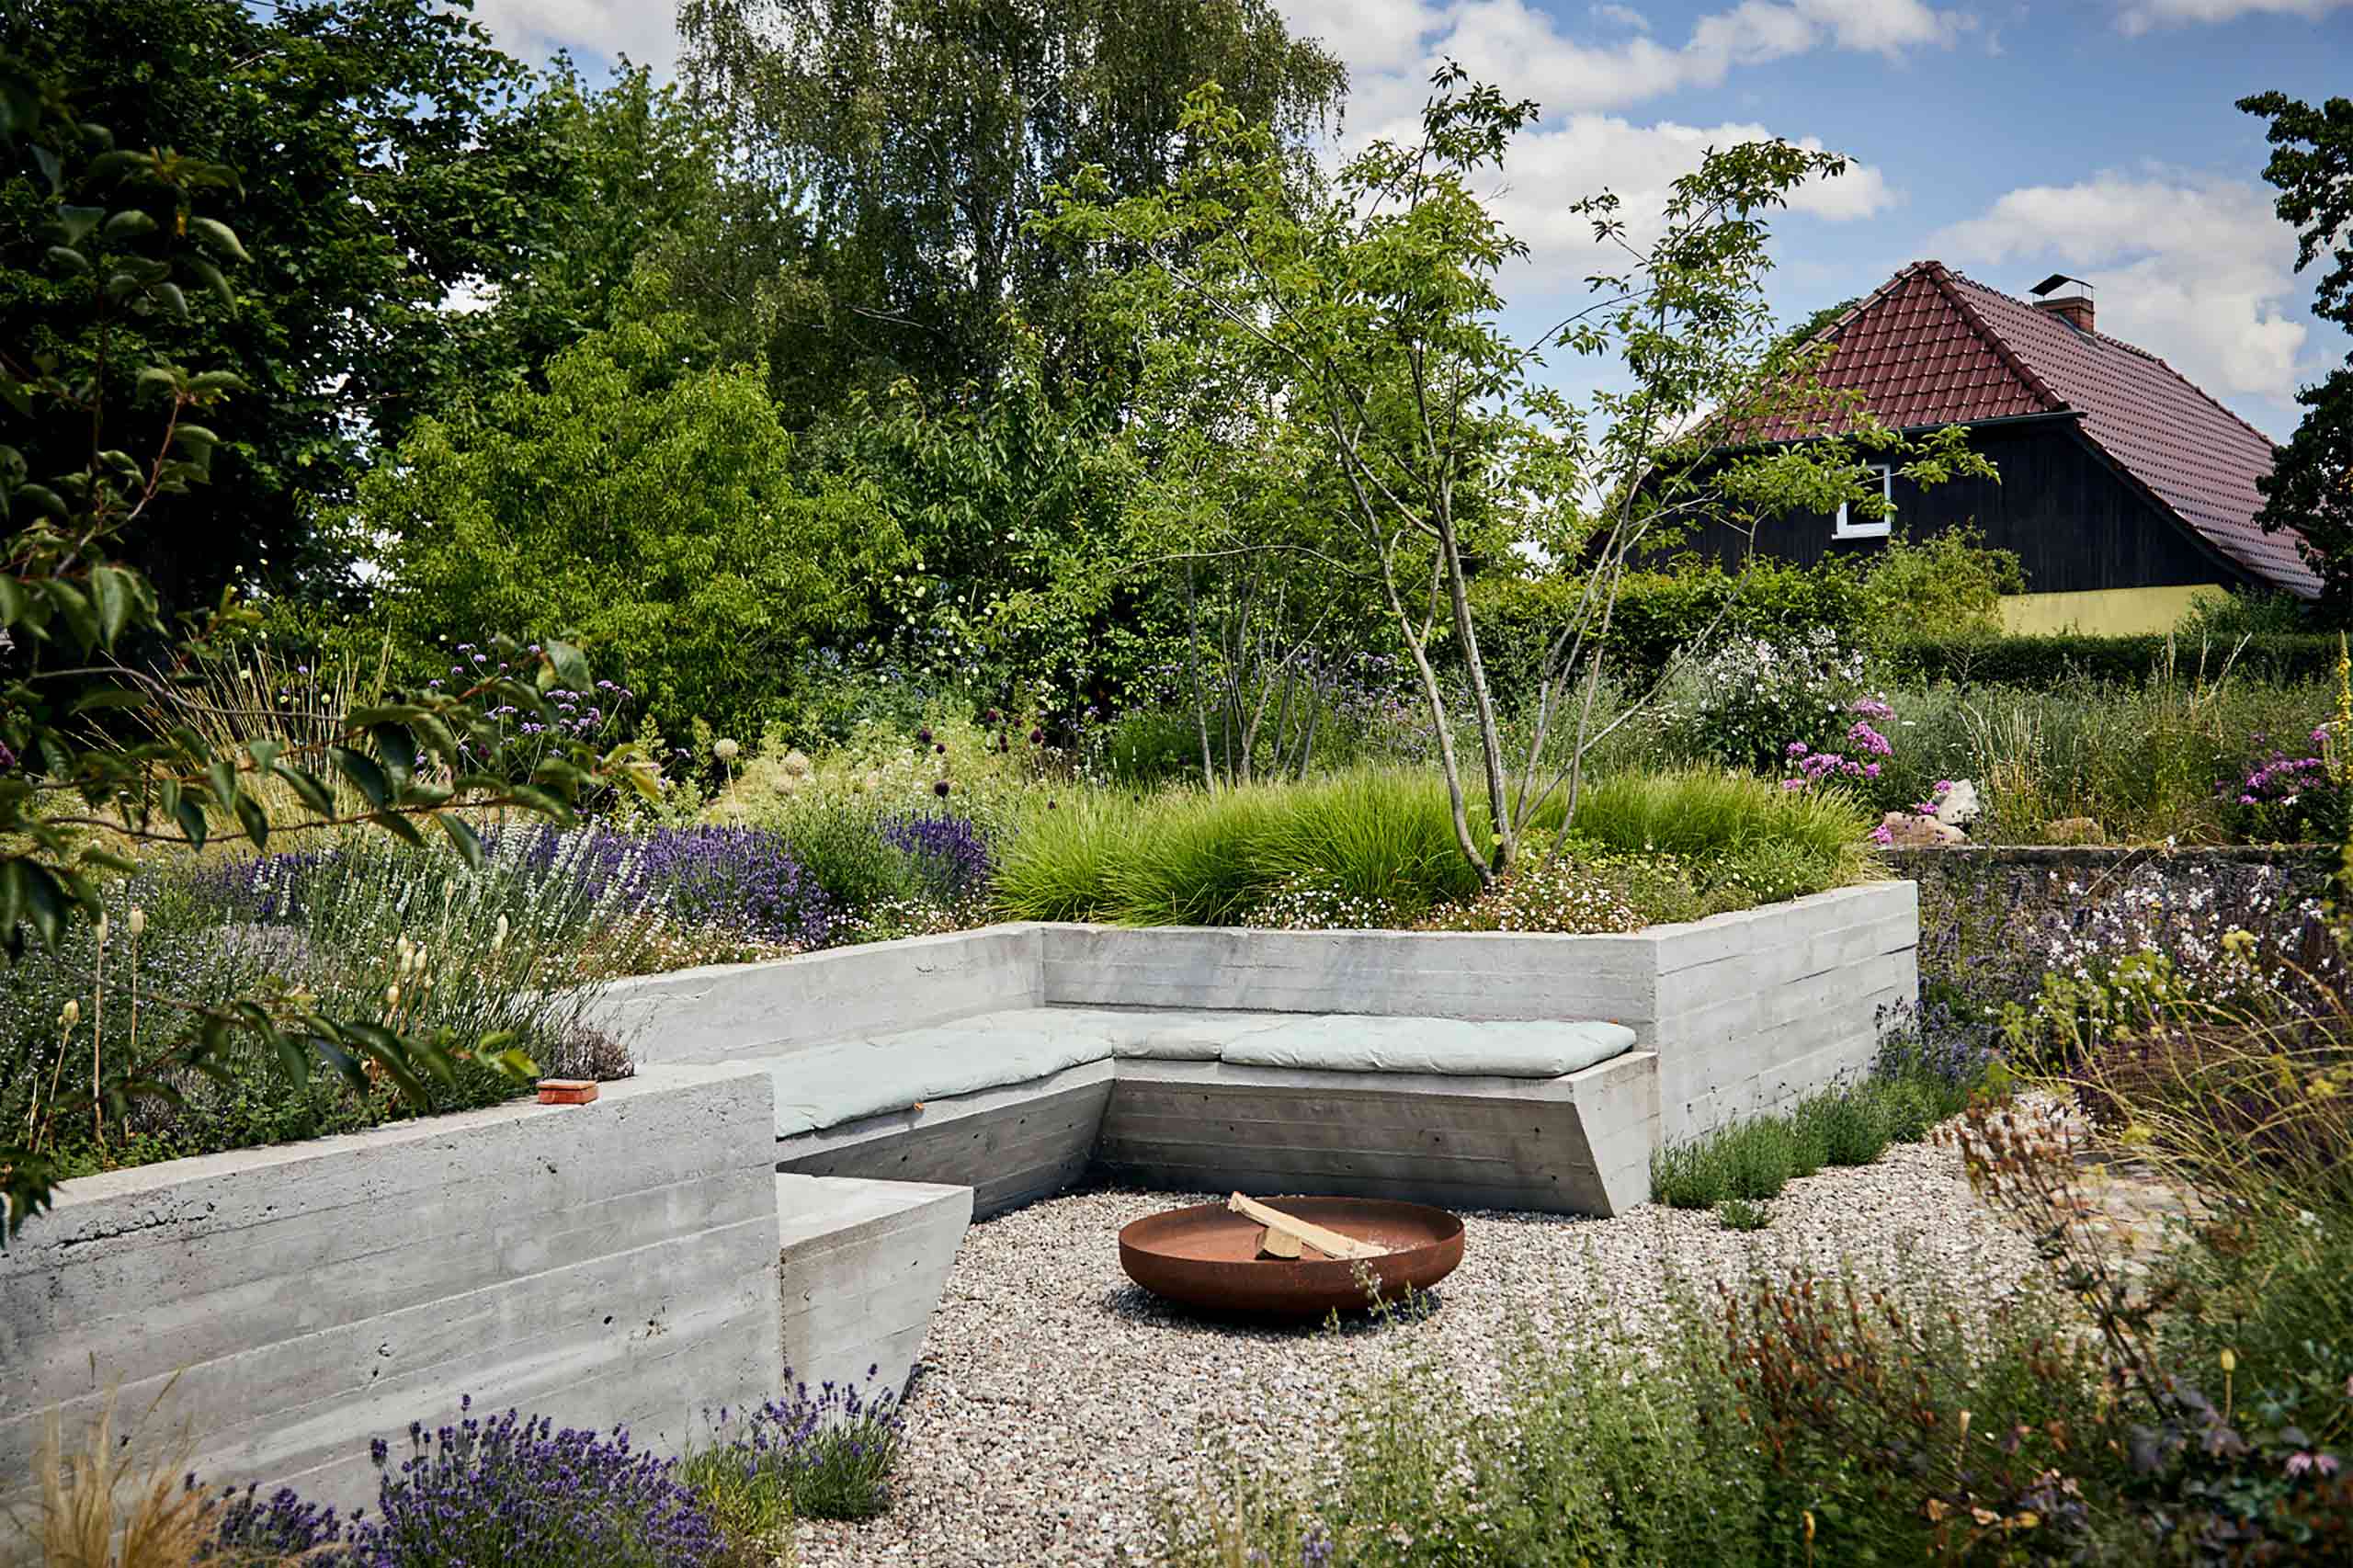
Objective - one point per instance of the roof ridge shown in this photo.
(2133, 348)
(1944, 278)
(1832, 329)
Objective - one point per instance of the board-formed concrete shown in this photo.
(724, 1011)
(1576, 1145)
(863, 1265)
(1011, 1145)
(611, 1263)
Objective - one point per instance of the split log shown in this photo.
(1332, 1244)
(1279, 1244)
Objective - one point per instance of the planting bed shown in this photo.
(1057, 1399)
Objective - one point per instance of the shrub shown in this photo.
(1852, 1122)
(823, 1456)
(1749, 702)
(513, 1491)
(1739, 1214)
(1548, 892)
(2042, 662)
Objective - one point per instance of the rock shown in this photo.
(2076, 830)
(1909, 830)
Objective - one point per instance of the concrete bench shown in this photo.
(1468, 1068)
(1018, 1103)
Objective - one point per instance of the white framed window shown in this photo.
(1870, 527)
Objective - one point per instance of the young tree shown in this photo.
(133, 232)
(1374, 309)
(2310, 488)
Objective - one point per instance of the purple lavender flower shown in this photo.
(950, 857)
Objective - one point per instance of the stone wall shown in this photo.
(612, 1262)
(2042, 880)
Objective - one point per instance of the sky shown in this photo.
(2009, 141)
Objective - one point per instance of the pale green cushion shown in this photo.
(835, 1084)
(1500, 1048)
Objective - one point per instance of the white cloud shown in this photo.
(1550, 170)
(2198, 270)
(2141, 15)
(1391, 45)
(645, 30)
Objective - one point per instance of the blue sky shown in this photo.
(2010, 140)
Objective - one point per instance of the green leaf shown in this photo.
(397, 747)
(566, 667)
(130, 223)
(254, 821)
(43, 898)
(222, 775)
(463, 838)
(190, 816)
(364, 774)
(68, 260)
(76, 222)
(219, 236)
(74, 608)
(213, 278)
(116, 593)
(400, 827)
(307, 784)
(175, 301)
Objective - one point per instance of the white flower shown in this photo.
(725, 751)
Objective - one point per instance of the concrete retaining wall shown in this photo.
(600, 1264)
(864, 1264)
(761, 1009)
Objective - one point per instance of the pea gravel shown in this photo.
(1055, 1401)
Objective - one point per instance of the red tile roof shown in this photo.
(1933, 347)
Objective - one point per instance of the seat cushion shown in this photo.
(835, 1084)
(1342, 1043)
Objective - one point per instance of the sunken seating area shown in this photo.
(1464, 1069)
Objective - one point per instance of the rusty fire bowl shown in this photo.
(1208, 1256)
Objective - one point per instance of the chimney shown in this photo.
(2069, 299)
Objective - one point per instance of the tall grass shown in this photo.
(1382, 836)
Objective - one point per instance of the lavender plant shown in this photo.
(829, 1455)
(516, 1491)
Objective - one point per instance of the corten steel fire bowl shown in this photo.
(1208, 1256)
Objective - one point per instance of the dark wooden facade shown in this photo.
(2076, 521)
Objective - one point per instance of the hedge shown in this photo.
(2043, 661)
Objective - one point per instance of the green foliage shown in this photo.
(388, 153)
(1364, 326)
(1010, 510)
(1751, 1159)
(2045, 661)
(1697, 813)
(2229, 616)
(1739, 1214)
(1182, 857)
(2307, 489)
(1833, 1421)
(1946, 587)
(866, 115)
(645, 503)
(75, 795)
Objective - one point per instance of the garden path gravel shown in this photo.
(1056, 1402)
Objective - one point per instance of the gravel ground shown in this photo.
(1056, 1400)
